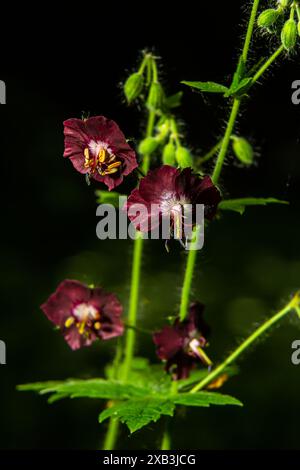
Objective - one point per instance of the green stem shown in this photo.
(166, 440)
(133, 305)
(292, 305)
(187, 282)
(250, 30)
(226, 140)
(113, 427)
(111, 435)
(267, 64)
(237, 101)
(211, 153)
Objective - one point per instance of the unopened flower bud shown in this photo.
(133, 86)
(148, 145)
(184, 157)
(156, 96)
(289, 34)
(169, 154)
(268, 17)
(243, 150)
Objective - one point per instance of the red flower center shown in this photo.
(98, 158)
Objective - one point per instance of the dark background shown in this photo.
(56, 69)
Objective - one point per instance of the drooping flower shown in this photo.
(181, 345)
(97, 147)
(165, 191)
(84, 314)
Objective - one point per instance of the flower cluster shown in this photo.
(98, 148)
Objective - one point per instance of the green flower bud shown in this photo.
(148, 145)
(133, 86)
(184, 157)
(156, 96)
(169, 154)
(243, 150)
(299, 27)
(289, 34)
(268, 17)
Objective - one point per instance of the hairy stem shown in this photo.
(267, 64)
(236, 102)
(187, 282)
(133, 305)
(250, 30)
(211, 153)
(225, 142)
(292, 305)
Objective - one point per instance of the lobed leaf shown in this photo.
(204, 399)
(93, 388)
(140, 412)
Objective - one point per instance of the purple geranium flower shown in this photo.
(84, 314)
(165, 191)
(181, 345)
(97, 147)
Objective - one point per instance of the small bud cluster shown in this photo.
(144, 84)
(284, 18)
(145, 79)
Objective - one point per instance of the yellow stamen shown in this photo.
(81, 327)
(69, 322)
(110, 172)
(204, 356)
(102, 155)
(112, 158)
(114, 165)
(97, 325)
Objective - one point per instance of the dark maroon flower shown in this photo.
(165, 191)
(97, 147)
(84, 314)
(181, 345)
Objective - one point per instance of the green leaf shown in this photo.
(92, 388)
(152, 377)
(240, 88)
(207, 87)
(239, 205)
(140, 412)
(108, 197)
(239, 73)
(174, 101)
(204, 399)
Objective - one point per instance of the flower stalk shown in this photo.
(292, 305)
